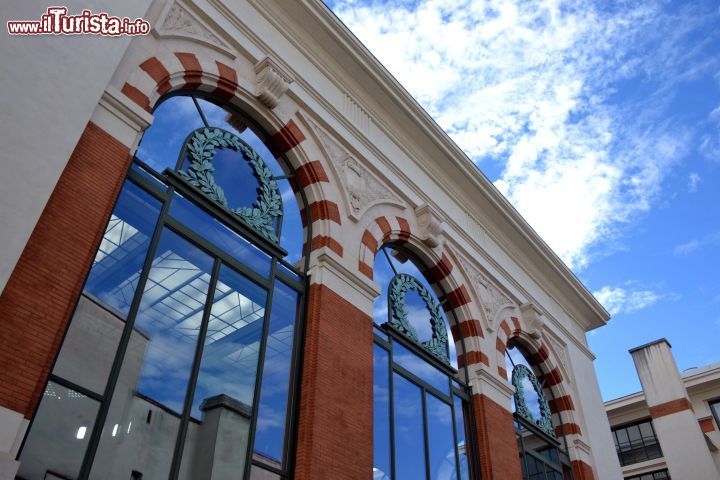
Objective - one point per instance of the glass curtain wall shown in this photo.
(542, 455)
(421, 412)
(180, 359)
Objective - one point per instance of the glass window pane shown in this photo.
(623, 440)
(288, 272)
(224, 238)
(715, 407)
(173, 120)
(408, 428)
(441, 443)
(460, 409)
(59, 435)
(217, 439)
(142, 423)
(137, 168)
(647, 432)
(122, 251)
(274, 389)
(91, 341)
(381, 414)
(379, 332)
(421, 368)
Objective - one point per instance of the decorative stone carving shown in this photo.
(534, 320)
(181, 23)
(561, 354)
(491, 298)
(362, 187)
(238, 122)
(430, 225)
(271, 82)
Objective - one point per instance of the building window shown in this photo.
(421, 410)
(179, 360)
(542, 454)
(636, 443)
(659, 475)
(715, 408)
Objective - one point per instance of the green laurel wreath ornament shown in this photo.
(398, 315)
(201, 146)
(544, 423)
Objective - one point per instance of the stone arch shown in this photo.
(439, 271)
(161, 75)
(562, 407)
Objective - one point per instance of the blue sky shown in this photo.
(600, 122)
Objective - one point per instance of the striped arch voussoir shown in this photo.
(157, 76)
(562, 406)
(397, 231)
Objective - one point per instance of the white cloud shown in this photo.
(528, 87)
(619, 300)
(693, 182)
(694, 244)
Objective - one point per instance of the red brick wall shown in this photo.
(335, 425)
(582, 471)
(41, 293)
(499, 456)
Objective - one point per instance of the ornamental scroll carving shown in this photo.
(491, 298)
(179, 22)
(362, 188)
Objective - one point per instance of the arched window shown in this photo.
(542, 455)
(421, 410)
(179, 360)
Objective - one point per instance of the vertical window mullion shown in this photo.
(295, 373)
(187, 407)
(425, 433)
(455, 437)
(259, 373)
(123, 345)
(392, 411)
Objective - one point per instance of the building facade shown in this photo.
(236, 247)
(670, 428)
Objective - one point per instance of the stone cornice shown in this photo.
(524, 245)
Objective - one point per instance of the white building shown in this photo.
(670, 428)
(117, 247)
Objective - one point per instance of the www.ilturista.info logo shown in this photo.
(56, 21)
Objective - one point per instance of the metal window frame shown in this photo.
(638, 477)
(166, 221)
(425, 389)
(636, 423)
(715, 411)
(524, 423)
(465, 396)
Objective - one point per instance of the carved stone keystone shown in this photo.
(534, 319)
(431, 225)
(271, 82)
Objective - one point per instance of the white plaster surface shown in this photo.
(50, 87)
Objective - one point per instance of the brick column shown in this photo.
(42, 291)
(40, 296)
(495, 433)
(335, 434)
(681, 439)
